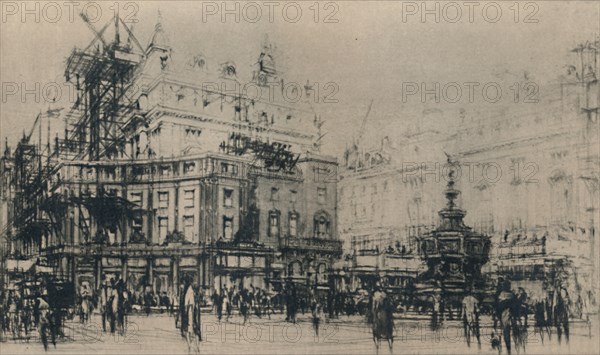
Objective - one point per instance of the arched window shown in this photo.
(322, 273)
(322, 224)
(293, 224)
(295, 269)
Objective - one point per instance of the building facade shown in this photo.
(204, 182)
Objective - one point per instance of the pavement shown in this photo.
(156, 334)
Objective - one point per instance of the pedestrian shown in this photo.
(13, 311)
(541, 322)
(115, 301)
(197, 322)
(218, 304)
(293, 304)
(269, 306)
(27, 312)
(561, 314)
(180, 320)
(436, 315)
(383, 320)
(470, 316)
(227, 306)
(104, 304)
(244, 307)
(187, 324)
(317, 315)
(148, 302)
(45, 322)
(505, 311)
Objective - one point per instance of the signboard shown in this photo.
(275, 156)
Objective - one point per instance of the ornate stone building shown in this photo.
(207, 181)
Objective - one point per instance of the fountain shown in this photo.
(454, 253)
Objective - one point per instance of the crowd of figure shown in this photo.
(513, 312)
(21, 317)
(514, 309)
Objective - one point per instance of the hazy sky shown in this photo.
(373, 50)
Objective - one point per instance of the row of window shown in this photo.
(295, 269)
(363, 190)
(321, 225)
(321, 195)
(189, 197)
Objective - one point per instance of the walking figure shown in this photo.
(187, 319)
(104, 308)
(561, 314)
(317, 315)
(505, 311)
(383, 320)
(470, 316)
(44, 324)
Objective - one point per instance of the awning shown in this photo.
(17, 265)
(44, 269)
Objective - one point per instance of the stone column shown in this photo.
(124, 270)
(200, 271)
(73, 270)
(98, 269)
(174, 275)
(150, 271)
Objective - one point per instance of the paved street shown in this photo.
(157, 334)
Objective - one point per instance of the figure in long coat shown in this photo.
(383, 320)
(190, 322)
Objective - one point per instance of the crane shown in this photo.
(364, 124)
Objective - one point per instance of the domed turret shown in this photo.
(159, 38)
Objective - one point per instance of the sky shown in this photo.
(371, 50)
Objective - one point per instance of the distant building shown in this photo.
(527, 169)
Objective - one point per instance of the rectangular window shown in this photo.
(274, 194)
(165, 170)
(189, 198)
(163, 200)
(227, 227)
(293, 196)
(293, 225)
(163, 229)
(189, 167)
(227, 197)
(136, 223)
(227, 168)
(188, 227)
(136, 197)
(321, 195)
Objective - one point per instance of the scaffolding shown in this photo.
(102, 74)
